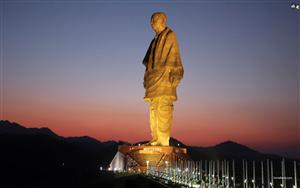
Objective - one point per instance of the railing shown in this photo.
(226, 174)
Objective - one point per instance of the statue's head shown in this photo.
(158, 21)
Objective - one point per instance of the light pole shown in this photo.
(147, 162)
(295, 173)
(233, 173)
(253, 174)
(268, 174)
(262, 174)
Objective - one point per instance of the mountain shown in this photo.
(30, 154)
(225, 150)
(7, 127)
(84, 142)
(37, 157)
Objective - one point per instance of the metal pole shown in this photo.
(201, 170)
(272, 176)
(262, 174)
(197, 163)
(243, 174)
(209, 173)
(214, 169)
(218, 171)
(253, 174)
(268, 174)
(205, 170)
(233, 173)
(284, 185)
(228, 174)
(282, 173)
(222, 173)
(246, 174)
(225, 172)
(295, 173)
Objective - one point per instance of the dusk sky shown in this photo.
(76, 67)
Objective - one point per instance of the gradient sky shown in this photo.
(76, 67)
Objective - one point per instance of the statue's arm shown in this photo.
(176, 70)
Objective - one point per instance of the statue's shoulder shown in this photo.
(170, 34)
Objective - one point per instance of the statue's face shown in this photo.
(157, 23)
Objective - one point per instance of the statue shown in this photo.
(163, 73)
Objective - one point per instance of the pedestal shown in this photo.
(143, 158)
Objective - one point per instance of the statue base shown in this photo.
(143, 158)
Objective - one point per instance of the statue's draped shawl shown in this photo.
(163, 64)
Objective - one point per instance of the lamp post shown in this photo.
(166, 162)
(283, 173)
(233, 173)
(228, 175)
(295, 173)
(246, 174)
(243, 174)
(262, 174)
(253, 174)
(147, 162)
(268, 174)
(272, 176)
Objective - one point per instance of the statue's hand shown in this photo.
(175, 82)
(171, 78)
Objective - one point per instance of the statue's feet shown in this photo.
(155, 143)
(163, 142)
(158, 143)
(151, 143)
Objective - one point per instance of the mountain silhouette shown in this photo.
(7, 127)
(38, 157)
(226, 150)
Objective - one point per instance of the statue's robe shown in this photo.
(164, 69)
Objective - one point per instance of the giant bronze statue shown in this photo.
(163, 73)
(162, 76)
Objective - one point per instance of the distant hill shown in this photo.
(30, 154)
(225, 150)
(37, 157)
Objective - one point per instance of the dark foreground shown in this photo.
(102, 180)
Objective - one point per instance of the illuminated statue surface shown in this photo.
(163, 73)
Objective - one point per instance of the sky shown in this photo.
(76, 67)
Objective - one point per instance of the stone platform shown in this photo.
(141, 158)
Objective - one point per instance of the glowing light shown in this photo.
(295, 6)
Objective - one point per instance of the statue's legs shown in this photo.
(161, 114)
(153, 120)
(164, 119)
